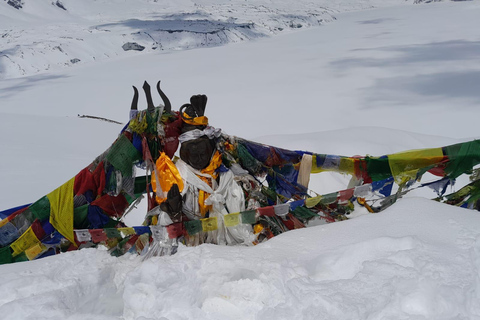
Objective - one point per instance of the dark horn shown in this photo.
(135, 99)
(148, 95)
(166, 102)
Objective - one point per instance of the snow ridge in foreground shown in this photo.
(393, 265)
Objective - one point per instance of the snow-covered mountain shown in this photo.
(83, 32)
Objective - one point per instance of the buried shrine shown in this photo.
(202, 185)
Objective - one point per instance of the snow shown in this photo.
(361, 81)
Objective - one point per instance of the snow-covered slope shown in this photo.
(374, 81)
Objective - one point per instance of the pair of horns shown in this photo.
(148, 95)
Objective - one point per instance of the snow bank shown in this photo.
(417, 259)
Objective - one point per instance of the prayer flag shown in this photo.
(35, 251)
(175, 230)
(193, 227)
(83, 235)
(249, 217)
(61, 209)
(266, 211)
(98, 235)
(126, 231)
(281, 210)
(209, 224)
(26, 240)
(232, 219)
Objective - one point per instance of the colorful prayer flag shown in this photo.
(232, 219)
(209, 224)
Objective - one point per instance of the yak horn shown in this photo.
(166, 102)
(135, 99)
(148, 95)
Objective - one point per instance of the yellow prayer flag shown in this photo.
(27, 240)
(405, 165)
(209, 224)
(34, 251)
(232, 219)
(347, 165)
(315, 169)
(312, 202)
(61, 210)
(126, 231)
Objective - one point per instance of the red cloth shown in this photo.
(172, 131)
(266, 211)
(175, 230)
(346, 195)
(87, 180)
(112, 206)
(98, 235)
(38, 230)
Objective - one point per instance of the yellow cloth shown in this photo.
(209, 224)
(232, 219)
(197, 121)
(34, 251)
(405, 165)
(347, 165)
(27, 240)
(126, 231)
(168, 175)
(61, 210)
(312, 202)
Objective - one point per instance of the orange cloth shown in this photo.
(210, 170)
(197, 121)
(167, 174)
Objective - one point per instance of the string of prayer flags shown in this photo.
(405, 165)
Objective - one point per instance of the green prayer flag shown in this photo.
(41, 209)
(193, 227)
(112, 233)
(249, 217)
(122, 155)
(378, 168)
(80, 219)
(5, 255)
(303, 213)
(462, 158)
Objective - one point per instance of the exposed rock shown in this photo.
(59, 4)
(132, 46)
(17, 4)
(75, 60)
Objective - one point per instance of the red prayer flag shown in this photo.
(175, 230)
(266, 211)
(98, 235)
